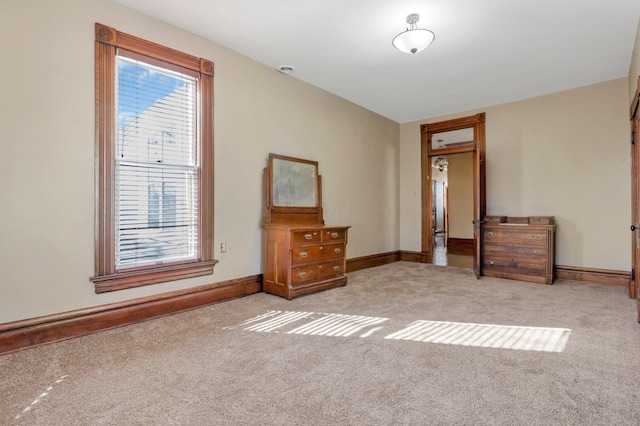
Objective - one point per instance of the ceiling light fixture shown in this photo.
(441, 163)
(414, 39)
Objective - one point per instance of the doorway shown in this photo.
(447, 138)
(452, 209)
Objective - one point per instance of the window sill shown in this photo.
(139, 277)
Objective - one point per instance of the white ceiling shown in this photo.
(486, 52)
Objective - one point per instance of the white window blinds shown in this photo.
(156, 166)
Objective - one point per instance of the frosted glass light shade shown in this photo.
(413, 40)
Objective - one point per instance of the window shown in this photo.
(154, 142)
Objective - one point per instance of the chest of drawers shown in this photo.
(303, 259)
(520, 249)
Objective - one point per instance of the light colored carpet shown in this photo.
(401, 344)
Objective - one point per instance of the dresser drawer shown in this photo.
(523, 267)
(303, 274)
(317, 253)
(306, 237)
(328, 270)
(334, 235)
(516, 236)
(495, 219)
(537, 263)
(523, 251)
(541, 220)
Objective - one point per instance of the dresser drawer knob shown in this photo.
(303, 254)
(336, 268)
(492, 234)
(535, 252)
(337, 250)
(334, 235)
(308, 236)
(491, 262)
(302, 274)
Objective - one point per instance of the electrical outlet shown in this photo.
(223, 247)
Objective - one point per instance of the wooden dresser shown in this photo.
(300, 254)
(519, 248)
(303, 259)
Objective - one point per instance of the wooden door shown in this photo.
(635, 210)
(479, 196)
(634, 286)
(426, 250)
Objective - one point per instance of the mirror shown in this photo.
(293, 192)
(295, 182)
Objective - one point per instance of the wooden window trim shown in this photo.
(106, 278)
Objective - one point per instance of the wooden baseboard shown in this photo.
(411, 256)
(19, 335)
(592, 275)
(370, 261)
(460, 246)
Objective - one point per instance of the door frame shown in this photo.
(479, 179)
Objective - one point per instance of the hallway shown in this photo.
(442, 258)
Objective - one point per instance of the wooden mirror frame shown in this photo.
(479, 179)
(275, 214)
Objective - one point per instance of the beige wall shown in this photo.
(564, 154)
(461, 195)
(47, 155)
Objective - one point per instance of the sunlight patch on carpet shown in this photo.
(337, 325)
(311, 323)
(485, 335)
(41, 397)
(273, 320)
